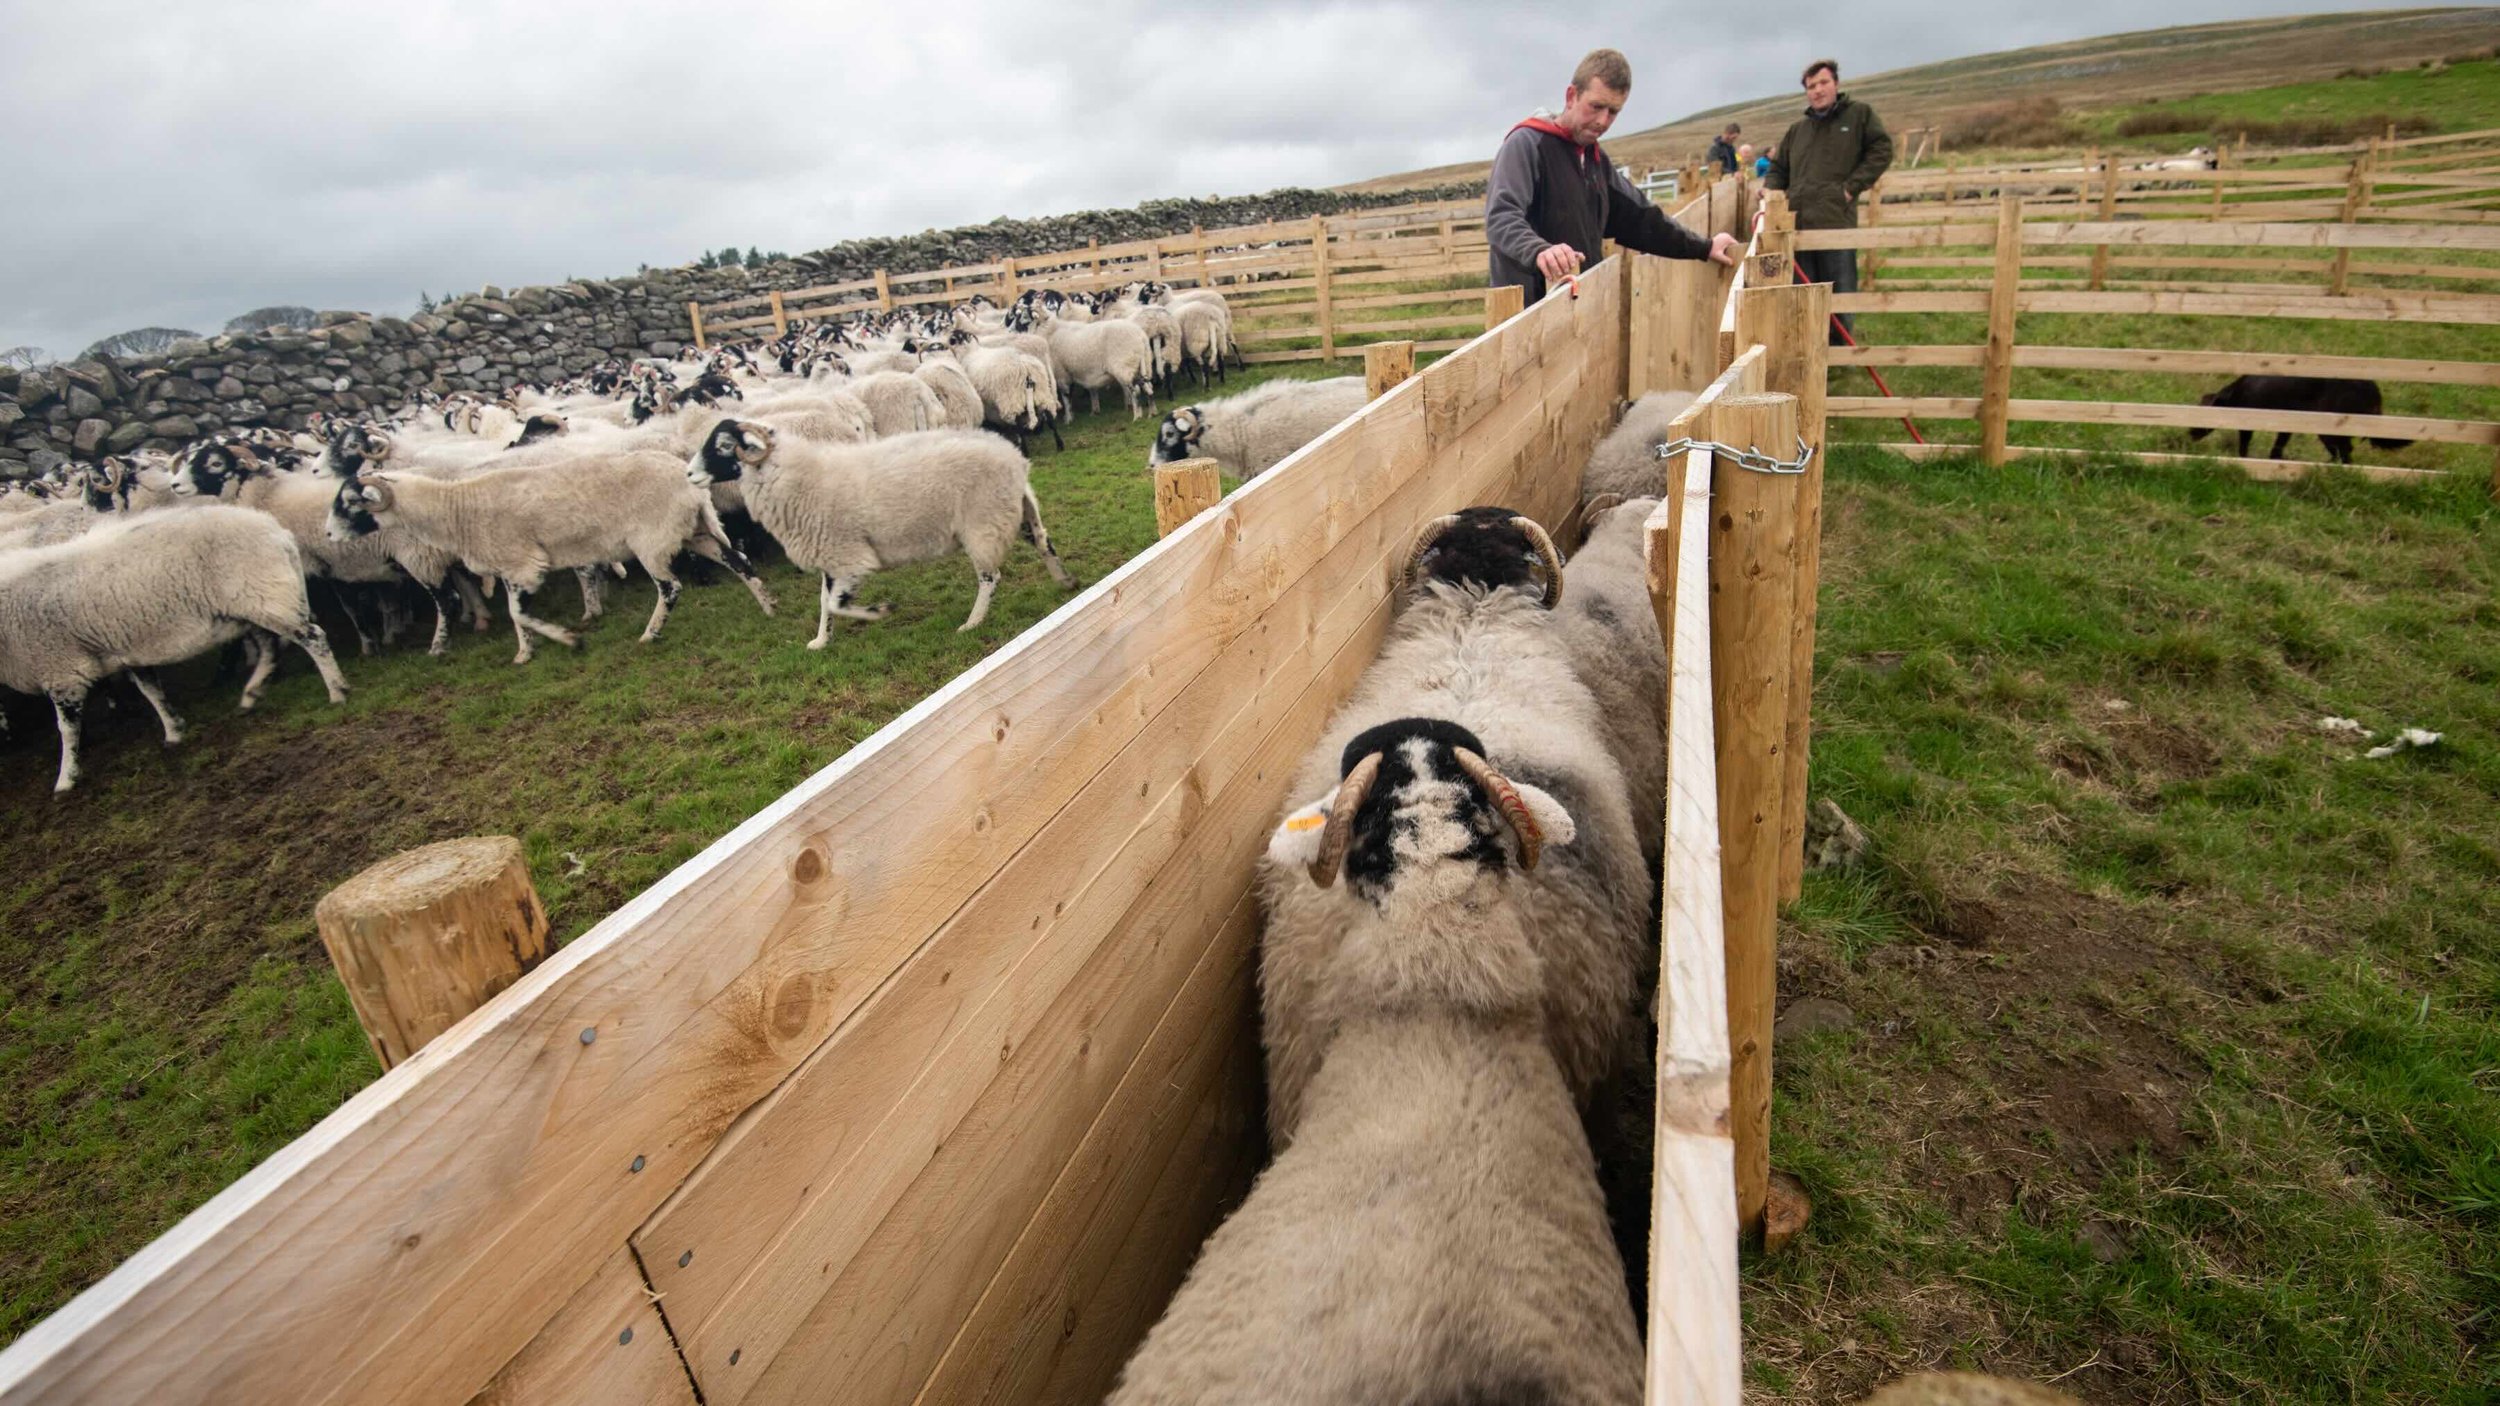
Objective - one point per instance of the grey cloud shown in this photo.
(175, 165)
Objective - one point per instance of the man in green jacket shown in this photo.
(1830, 157)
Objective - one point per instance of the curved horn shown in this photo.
(765, 440)
(1424, 539)
(1340, 832)
(1506, 798)
(1546, 553)
(1600, 505)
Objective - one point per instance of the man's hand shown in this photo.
(1558, 261)
(1724, 249)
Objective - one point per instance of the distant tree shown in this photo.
(23, 358)
(754, 258)
(262, 319)
(425, 301)
(138, 341)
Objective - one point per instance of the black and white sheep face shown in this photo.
(350, 516)
(210, 469)
(1178, 437)
(1418, 818)
(1488, 549)
(730, 449)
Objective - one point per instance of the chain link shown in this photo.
(1753, 459)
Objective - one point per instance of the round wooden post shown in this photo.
(1184, 490)
(1386, 366)
(425, 937)
(1753, 569)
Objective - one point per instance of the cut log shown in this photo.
(425, 937)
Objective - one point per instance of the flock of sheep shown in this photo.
(887, 439)
(1457, 981)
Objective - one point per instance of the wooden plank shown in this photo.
(1467, 317)
(1997, 370)
(2375, 306)
(2230, 234)
(1753, 545)
(694, 314)
(1386, 366)
(1909, 302)
(2223, 418)
(1695, 1331)
(498, 1168)
(2264, 470)
(1789, 323)
(1319, 264)
(607, 1344)
(1916, 407)
(2185, 363)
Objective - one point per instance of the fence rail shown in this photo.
(2006, 293)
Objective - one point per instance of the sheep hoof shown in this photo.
(816, 643)
(521, 658)
(174, 738)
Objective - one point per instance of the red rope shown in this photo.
(1871, 371)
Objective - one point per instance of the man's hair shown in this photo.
(1732, 130)
(1607, 66)
(1817, 67)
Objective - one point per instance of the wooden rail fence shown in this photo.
(2005, 256)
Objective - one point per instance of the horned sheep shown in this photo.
(1475, 642)
(843, 511)
(518, 524)
(1434, 1232)
(1252, 432)
(147, 589)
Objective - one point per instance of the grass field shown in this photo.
(170, 1016)
(2458, 97)
(2175, 1067)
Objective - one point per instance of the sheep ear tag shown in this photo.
(1296, 841)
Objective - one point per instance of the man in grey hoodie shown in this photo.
(1554, 198)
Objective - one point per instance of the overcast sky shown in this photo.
(176, 165)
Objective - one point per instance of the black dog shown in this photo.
(2320, 393)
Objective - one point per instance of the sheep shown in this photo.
(843, 511)
(1206, 334)
(1625, 463)
(1434, 1233)
(1015, 389)
(1208, 297)
(148, 589)
(1475, 643)
(1612, 635)
(2327, 394)
(1163, 341)
(518, 524)
(899, 402)
(1095, 355)
(1252, 432)
(958, 399)
(302, 501)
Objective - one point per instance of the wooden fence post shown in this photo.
(2356, 198)
(1319, 265)
(2109, 210)
(1198, 237)
(1093, 265)
(1789, 324)
(1996, 386)
(1502, 303)
(427, 936)
(781, 317)
(1007, 283)
(1753, 561)
(1386, 366)
(1184, 490)
(885, 292)
(694, 314)
(1449, 242)
(1869, 260)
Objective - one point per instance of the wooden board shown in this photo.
(2272, 470)
(442, 1217)
(607, 1344)
(2185, 363)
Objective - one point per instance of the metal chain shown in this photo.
(1753, 459)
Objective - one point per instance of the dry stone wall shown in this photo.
(353, 362)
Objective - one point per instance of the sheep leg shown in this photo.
(480, 613)
(980, 598)
(824, 611)
(313, 641)
(838, 595)
(446, 601)
(724, 551)
(1055, 441)
(1039, 536)
(69, 709)
(144, 680)
(347, 604)
(525, 624)
(2338, 447)
(594, 598)
(659, 612)
(263, 648)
